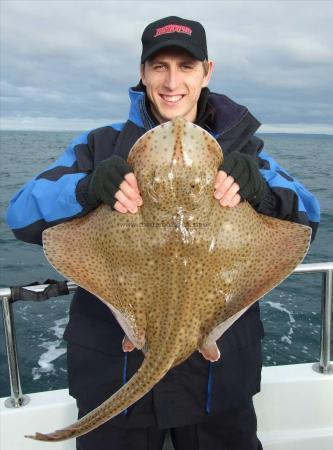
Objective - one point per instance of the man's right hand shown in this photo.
(114, 183)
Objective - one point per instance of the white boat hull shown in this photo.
(294, 412)
(294, 408)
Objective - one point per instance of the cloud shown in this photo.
(70, 63)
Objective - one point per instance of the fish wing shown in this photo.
(249, 255)
(102, 253)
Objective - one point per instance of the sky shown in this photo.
(67, 65)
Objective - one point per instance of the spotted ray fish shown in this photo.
(178, 273)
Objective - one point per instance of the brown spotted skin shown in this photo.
(181, 270)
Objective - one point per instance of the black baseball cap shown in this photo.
(174, 32)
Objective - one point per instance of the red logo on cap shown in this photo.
(173, 29)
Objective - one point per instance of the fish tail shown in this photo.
(150, 372)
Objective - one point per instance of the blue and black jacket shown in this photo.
(196, 388)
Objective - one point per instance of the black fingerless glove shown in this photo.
(245, 171)
(106, 179)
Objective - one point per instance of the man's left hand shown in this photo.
(226, 190)
(239, 179)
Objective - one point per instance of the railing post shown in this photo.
(17, 399)
(326, 310)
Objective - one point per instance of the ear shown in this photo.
(142, 74)
(209, 73)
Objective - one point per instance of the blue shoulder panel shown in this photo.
(42, 199)
(68, 158)
(31, 204)
(276, 176)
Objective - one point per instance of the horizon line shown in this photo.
(70, 130)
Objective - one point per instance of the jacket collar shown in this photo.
(225, 115)
(137, 99)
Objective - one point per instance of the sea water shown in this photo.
(291, 313)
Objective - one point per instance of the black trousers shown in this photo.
(232, 430)
(201, 412)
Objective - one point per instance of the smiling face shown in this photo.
(173, 80)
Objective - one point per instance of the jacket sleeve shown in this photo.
(53, 196)
(286, 198)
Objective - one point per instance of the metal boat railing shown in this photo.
(17, 399)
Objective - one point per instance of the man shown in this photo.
(206, 406)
